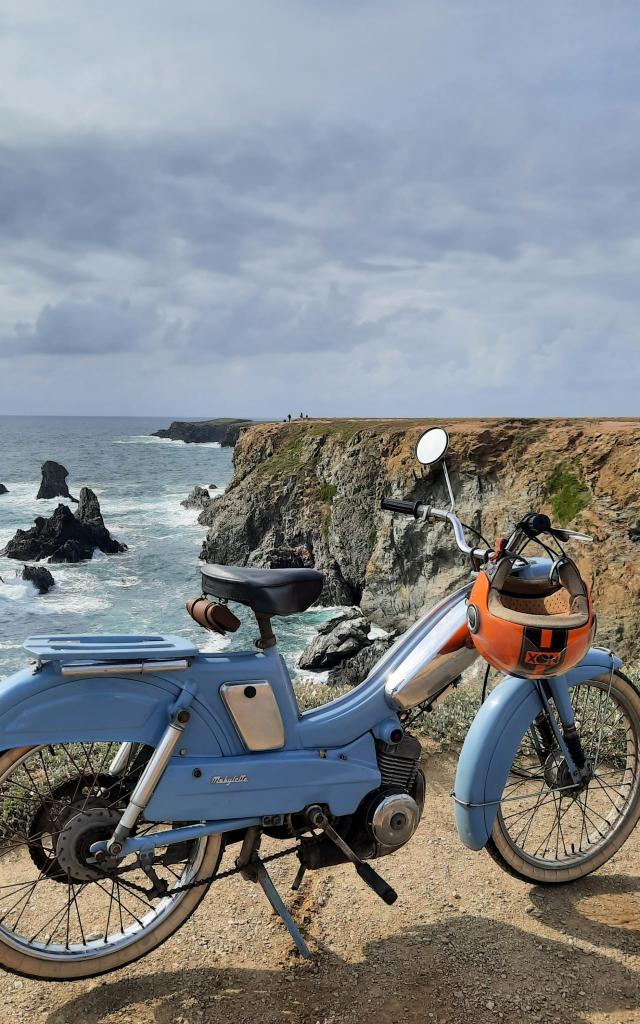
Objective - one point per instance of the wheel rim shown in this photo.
(51, 905)
(545, 820)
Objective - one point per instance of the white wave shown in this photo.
(72, 593)
(17, 589)
(210, 643)
(124, 582)
(77, 603)
(148, 439)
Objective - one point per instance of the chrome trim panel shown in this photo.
(116, 668)
(427, 668)
(255, 713)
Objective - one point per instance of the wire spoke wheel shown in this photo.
(61, 916)
(548, 829)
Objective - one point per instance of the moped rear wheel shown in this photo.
(547, 830)
(60, 917)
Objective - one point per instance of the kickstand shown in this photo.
(275, 900)
(254, 870)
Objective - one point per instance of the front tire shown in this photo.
(56, 922)
(550, 834)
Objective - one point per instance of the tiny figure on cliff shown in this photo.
(289, 417)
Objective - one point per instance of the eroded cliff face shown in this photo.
(308, 494)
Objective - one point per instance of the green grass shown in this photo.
(373, 536)
(569, 496)
(327, 492)
(287, 458)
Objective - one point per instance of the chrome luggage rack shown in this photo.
(112, 653)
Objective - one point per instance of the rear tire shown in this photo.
(598, 820)
(56, 958)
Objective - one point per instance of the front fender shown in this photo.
(47, 707)
(493, 740)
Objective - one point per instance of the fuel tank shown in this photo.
(426, 660)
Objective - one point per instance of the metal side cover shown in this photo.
(255, 713)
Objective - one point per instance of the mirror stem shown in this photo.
(449, 488)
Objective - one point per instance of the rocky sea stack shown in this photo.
(224, 432)
(309, 494)
(65, 537)
(344, 647)
(3, 489)
(198, 498)
(54, 481)
(40, 576)
(336, 641)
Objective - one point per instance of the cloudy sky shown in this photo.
(370, 207)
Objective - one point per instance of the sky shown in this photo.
(340, 207)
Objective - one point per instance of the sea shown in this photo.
(140, 482)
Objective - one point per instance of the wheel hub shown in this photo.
(73, 847)
(557, 775)
(53, 814)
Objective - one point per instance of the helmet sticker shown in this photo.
(543, 648)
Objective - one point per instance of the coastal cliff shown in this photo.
(308, 494)
(224, 432)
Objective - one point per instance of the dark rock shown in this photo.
(286, 558)
(72, 551)
(224, 432)
(3, 489)
(338, 639)
(354, 670)
(88, 511)
(206, 516)
(39, 576)
(346, 615)
(198, 498)
(214, 487)
(54, 481)
(65, 537)
(634, 533)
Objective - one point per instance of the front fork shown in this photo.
(565, 734)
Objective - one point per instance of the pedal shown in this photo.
(318, 819)
(160, 886)
(297, 882)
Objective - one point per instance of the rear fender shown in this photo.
(46, 707)
(493, 740)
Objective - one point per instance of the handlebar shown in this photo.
(408, 508)
(530, 526)
(427, 512)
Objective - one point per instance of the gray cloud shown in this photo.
(392, 211)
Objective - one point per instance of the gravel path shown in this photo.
(465, 943)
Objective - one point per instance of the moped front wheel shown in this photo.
(549, 831)
(61, 918)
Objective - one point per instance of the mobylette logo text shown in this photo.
(228, 780)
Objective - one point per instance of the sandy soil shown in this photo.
(464, 943)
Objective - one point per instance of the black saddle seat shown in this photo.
(266, 591)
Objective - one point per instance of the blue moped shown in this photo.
(130, 763)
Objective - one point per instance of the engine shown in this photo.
(387, 817)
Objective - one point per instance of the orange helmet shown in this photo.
(531, 627)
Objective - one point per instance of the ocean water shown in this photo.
(140, 482)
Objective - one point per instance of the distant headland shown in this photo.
(223, 431)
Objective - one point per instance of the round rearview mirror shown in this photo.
(432, 446)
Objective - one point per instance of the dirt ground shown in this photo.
(465, 943)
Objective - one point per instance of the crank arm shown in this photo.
(318, 819)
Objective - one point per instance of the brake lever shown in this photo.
(567, 535)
